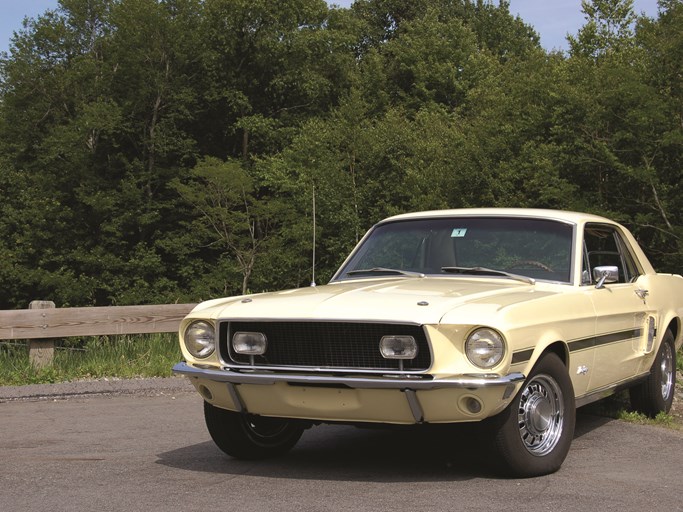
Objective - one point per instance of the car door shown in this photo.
(624, 320)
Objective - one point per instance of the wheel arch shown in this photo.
(674, 325)
(550, 345)
(560, 349)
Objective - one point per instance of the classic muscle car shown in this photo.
(509, 317)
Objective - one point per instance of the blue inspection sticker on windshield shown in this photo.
(458, 232)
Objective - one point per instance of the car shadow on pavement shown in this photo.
(588, 420)
(345, 453)
(333, 452)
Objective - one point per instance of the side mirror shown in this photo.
(606, 274)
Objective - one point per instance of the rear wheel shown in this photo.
(656, 393)
(246, 436)
(534, 433)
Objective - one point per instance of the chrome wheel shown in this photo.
(656, 393)
(535, 431)
(667, 371)
(541, 415)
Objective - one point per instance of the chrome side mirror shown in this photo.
(605, 275)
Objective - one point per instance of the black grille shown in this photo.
(325, 344)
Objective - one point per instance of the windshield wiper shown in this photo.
(483, 271)
(382, 270)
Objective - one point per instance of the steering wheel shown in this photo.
(532, 263)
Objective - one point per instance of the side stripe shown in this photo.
(604, 339)
(522, 356)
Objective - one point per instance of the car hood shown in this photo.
(415, 300)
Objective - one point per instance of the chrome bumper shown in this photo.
(354, 382)
(406, 385)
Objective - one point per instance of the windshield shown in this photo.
(536, 248)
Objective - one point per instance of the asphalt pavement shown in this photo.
(141, 445)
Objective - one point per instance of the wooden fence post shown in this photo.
(41, 352)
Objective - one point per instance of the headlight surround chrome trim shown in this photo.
(485, 347)
(200, 339)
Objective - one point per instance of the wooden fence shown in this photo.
(43, 322)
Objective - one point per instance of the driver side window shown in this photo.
(604, 246)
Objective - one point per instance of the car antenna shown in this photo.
(313, 266)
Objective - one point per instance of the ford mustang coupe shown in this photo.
(509, 317)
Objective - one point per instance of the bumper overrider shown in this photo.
(325, 397)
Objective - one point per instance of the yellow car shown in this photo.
(511, 317)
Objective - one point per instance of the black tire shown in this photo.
(656, 393)
(251, 437)
(533, 434)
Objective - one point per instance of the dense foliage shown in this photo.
(154, 151)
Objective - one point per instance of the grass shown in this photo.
(662, 419)
(131, 356)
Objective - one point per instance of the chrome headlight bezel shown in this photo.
(200, 339)
(485, 348)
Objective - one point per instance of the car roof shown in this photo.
(564, 216)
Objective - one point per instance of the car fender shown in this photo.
(551, 341)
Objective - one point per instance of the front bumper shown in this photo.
(276, 394)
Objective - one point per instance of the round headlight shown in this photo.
(485, 348)
(200, 339)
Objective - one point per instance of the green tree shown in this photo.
(609, 27)
(95, 128)
(618, 129)
(230, 219)
(163, 150)
(267, 66)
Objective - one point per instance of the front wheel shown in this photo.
(534, 433)
(656, 393)
(246, 436)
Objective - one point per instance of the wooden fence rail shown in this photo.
(43, 324)
(93, 321)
